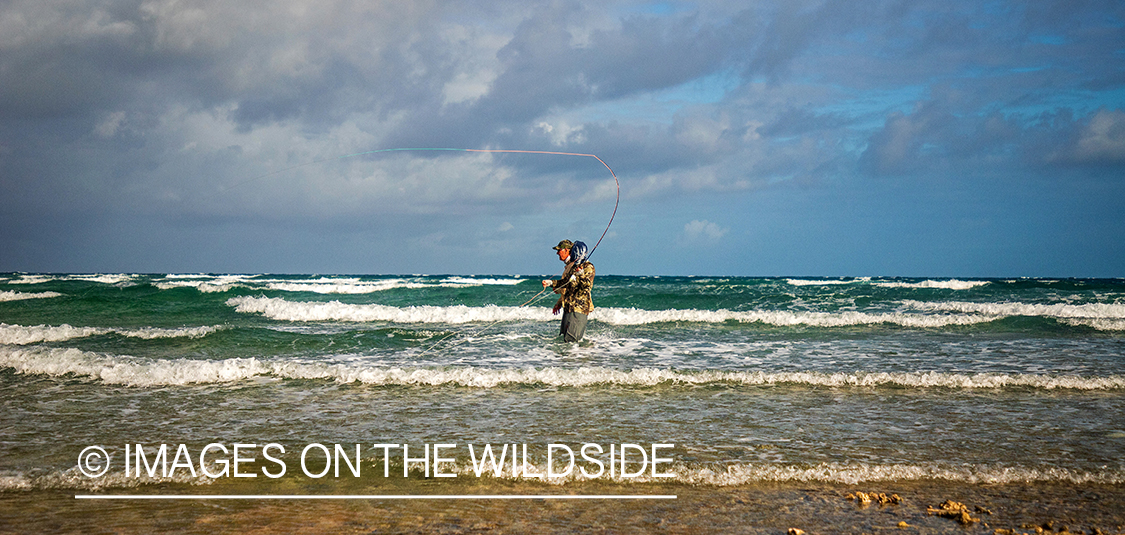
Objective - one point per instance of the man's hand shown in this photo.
(547, 282)
(558, 307)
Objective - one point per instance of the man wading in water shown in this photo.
(574, 289)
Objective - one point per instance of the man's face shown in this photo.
(564, 254)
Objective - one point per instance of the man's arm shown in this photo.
(561, 284)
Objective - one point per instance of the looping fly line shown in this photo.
(616, 202)
(616, 182)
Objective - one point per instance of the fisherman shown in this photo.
(574, 289)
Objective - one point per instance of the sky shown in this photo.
(922, 138)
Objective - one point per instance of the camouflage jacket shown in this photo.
(575, 286)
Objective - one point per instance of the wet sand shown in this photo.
(763, 508)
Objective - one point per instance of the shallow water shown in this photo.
(776, 391)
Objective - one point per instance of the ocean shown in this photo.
(430, 403)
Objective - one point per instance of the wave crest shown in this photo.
(74, 479)
(281, 309)
(284, 310)
(852, 474)
(322, 285)
(23, 335)
(19, 296)
(942, 284)
(133, 371)
(1057, 310)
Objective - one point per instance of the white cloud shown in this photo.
(697, 230)
(473, 53)
(1103, 139)
(562, 133)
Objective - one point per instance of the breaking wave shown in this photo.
(712, 475)
(829, 282)
(21, 335)
(726, 475)
(323, 285)
(952, 284)
(134, 371)
(19, 296)
(285, 310)
(1059, 310)
(945, 284)
(281, 309)
(122, 278)
(74, 479)
(852, 474)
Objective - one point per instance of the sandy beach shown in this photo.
(765, 508)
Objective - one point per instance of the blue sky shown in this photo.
(772, 138)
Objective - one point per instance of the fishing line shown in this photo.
(616, 182)
(616, 202)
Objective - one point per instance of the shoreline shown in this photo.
(759, 508)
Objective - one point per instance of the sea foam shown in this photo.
(285, 310)
(322, 285)
(829, 282)
(281, 309)
(19, 296)
(1058, 310)
(951, 284)
(74, 479)
(99, 278)
(943, 284)
(851, 474)
(23, 335)
(735, 474)
(134, 371)
(708, 475)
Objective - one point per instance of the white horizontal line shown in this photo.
(375, 496)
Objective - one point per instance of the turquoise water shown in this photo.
(749, 380)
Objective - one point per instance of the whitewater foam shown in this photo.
(465, 281)
(710, 475)
(1084, 311)
(342, 286)
(830, 282)
(203, 283)
(74, 479)
(322, 285)
(134, 371)
(19, 296)
(734, 474)
(951, 284)
(851, 474)
(281, 309)
(944, 284)
(23, 335)
(1100, 324)
(25, 278)
(127, 370)
(285, 310)
(122, 278)
(632, 316)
